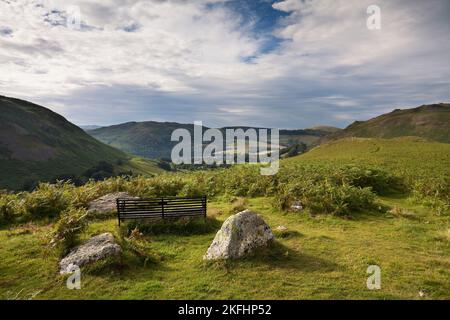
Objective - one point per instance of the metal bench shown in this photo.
(156, 208)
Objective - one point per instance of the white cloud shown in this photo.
(174, 41)
(288, 6)
(189, 55)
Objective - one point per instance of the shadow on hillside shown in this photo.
(279, 256)
(379, 212)
(181, 226)
(24, 226)
(128, 265)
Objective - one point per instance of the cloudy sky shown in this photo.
(287, 64)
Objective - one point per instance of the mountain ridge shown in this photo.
(37, 144)
(151, 139)
(426, 121)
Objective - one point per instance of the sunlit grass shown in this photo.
(324, 257)
(399, 189)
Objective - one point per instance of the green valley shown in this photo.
(151, 139)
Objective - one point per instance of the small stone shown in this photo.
(297, 206)
(281, 228)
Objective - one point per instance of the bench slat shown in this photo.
(159, 212)
(159, 198)
(164, 207)
(159, 204)
(131, 205)
(159, 216)
(158, 209)
(144, 216)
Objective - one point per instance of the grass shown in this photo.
(404, 156)
(141, 166)
(325, 257)
(423, 166)
(427, 121)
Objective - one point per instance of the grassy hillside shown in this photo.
(38, 144)
(89, 127)
(351, 220)
(147, 139)
(140, 166)
(408, 157)
(325, 257)
(427, 121)
(309, 137)
(152, 139)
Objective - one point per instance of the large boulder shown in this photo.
(107, 203)
(97, 248)
(239, 235)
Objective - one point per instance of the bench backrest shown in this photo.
(165, 207)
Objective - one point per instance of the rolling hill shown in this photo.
(89, 127)
(37, 144)
(147, 139)
(152, 139)
(407, 156)
(431, 122)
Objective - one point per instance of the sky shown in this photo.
(285, 64)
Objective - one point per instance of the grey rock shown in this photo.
(97, 248)
(297, 206)
(281, 228)
(239, 235)
(107, 203)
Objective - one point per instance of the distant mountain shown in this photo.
(309, 137)
(151, 139)
(37, 144)
(326, 129)
(90, 127)
(431, 122)
(148, 139)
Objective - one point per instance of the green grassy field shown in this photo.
(407, 157)
(321, 255)
(141, 166)
(427, 121)
(324, 257)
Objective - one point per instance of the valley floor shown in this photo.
(322, 257)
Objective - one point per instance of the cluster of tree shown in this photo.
(293, 150)
(101, 171)
(168, 165)
(104, 170)
(195, 167)
(165, 164)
